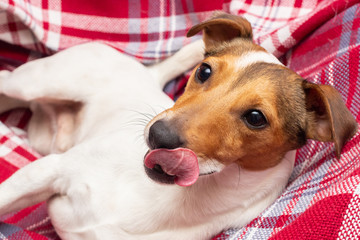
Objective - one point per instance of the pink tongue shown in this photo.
(180, 162)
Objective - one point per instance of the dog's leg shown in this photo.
(8, 103)
(72, 74)
(31, 184)
(88, 66)
(183, 60)
(54, 112)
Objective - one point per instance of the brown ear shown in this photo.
(222, 27)
(328, 119)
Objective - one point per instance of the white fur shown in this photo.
(95, 184)
(210, 166)
(250, 58)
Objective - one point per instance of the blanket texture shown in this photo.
(319, 39)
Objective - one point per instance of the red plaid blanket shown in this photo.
(319, 39)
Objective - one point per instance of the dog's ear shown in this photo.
(327, 117)
(222, 27)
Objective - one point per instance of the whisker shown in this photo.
(140, 120)
(153, 109)
(139, 137)
(148, 116)
(129, 124)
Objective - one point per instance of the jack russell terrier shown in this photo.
(227, 144)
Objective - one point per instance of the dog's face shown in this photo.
(237, 113)
(241, 105)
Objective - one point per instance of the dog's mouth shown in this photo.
(179, 166)
(207, 173)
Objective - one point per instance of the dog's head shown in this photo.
(241, 105)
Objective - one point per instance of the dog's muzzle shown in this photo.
(162, 136)
(168, 161)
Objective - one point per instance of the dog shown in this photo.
(213, 160)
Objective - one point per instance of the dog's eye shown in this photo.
(255, 119)
(203, 73)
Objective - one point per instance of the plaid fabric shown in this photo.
(15, 152)
(317, 38)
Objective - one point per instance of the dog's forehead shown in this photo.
(252, 70)
(242, 54)
(242, 61)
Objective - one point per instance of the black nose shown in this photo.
(162, 136)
